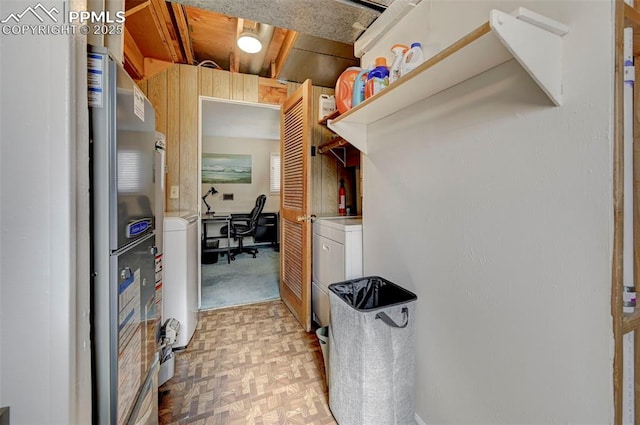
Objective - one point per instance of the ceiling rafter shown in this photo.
(279, 35)
(234, 59)
(183, 31)
(161, 33)
(133, 57)
(160, 12)
(287, 45)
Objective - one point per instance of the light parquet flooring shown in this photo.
(251, 364)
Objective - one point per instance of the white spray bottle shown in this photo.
(395, 70)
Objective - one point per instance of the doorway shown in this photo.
(239, 149)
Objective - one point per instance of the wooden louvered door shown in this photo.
(295, 239)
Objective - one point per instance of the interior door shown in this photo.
(295, 240)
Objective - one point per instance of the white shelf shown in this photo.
(533, 40)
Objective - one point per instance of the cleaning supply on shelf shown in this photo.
(395, 72)
(412, 58)
(344, 88)
(358, 87)
(327, 106)
(377, 79)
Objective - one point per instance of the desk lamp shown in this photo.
(211, 191)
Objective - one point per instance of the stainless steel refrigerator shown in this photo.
(124, 325)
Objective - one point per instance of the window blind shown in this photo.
(274, 180)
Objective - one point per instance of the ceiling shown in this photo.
(301, 39)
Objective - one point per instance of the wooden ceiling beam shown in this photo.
(133, 57)
(137, 8)
(234, 61)
(234, 58)
(162, 19)
(287, 45)
(273, 50)
(183, 31)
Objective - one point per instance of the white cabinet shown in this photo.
(337, 256)
(180, 286)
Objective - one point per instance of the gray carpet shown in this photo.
(246, 280)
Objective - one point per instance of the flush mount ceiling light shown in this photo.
(249, 42)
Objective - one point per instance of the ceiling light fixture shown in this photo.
(249, 42)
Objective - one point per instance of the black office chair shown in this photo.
(243, 225)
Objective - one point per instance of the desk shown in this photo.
(207, 219)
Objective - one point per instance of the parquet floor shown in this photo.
(248, 365)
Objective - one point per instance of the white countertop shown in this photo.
(345, 223)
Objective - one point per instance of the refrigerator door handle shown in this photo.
(125, 273)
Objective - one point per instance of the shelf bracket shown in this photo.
(536, 43)
(343, 159)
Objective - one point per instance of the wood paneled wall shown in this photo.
(175, 94)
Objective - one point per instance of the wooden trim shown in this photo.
(636, 216)
(331, 116)
(618, 193)
(335, 142)
(183, 31)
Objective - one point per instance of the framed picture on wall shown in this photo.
(226, 168)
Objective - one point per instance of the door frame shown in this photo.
(201, 100)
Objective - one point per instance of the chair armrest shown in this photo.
(243, 215)
(240, 219)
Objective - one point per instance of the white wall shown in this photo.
(39, 375)
(495, 207)
(244, 195)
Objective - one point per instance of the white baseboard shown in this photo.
(419, 420)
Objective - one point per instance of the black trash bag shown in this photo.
(370, 293)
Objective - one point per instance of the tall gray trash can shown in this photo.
(371, 347)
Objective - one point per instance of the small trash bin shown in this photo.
(323, 339)
(210, 257)
(371, 347)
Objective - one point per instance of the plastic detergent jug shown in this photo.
(378, 78)
(327, 106)
(344, 88)
(358, 87)
(412, 58)
(395, 72)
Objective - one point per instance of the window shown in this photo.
(274, 180)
